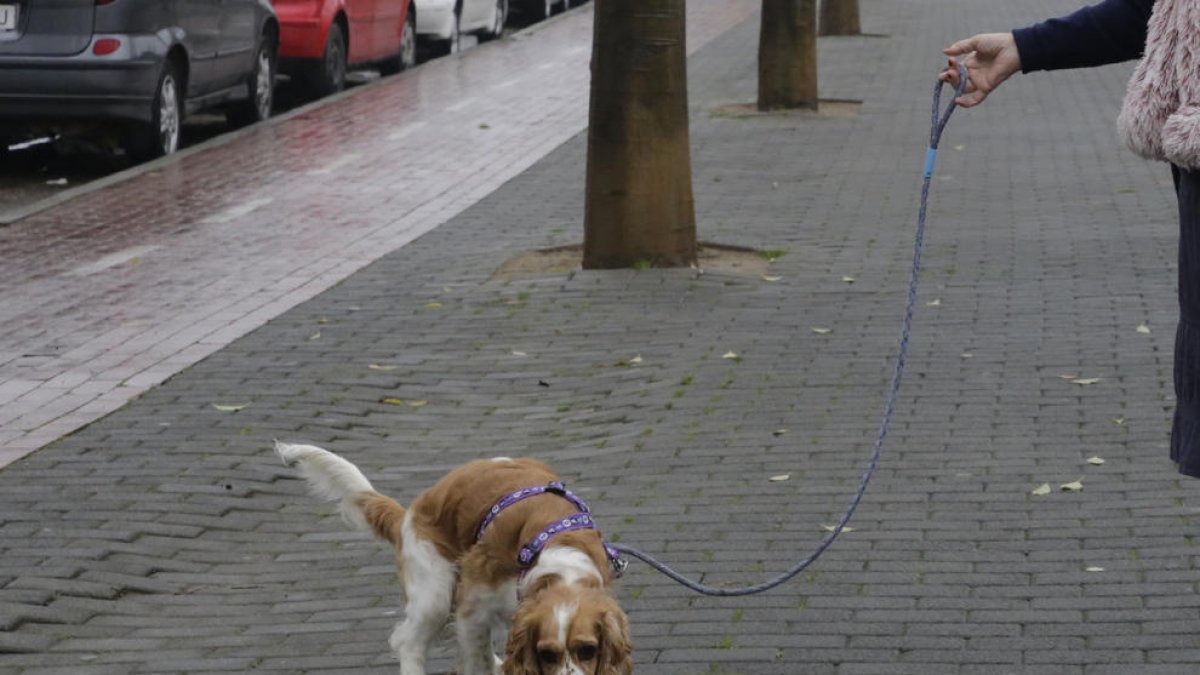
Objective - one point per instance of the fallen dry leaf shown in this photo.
(433, 305)
(1144, 329)
(780, 478)
(1093, 569)
(518, 353)
(822, 331)
(229, 408)
(1043, 489)
(376, 366)
(831, 528)
(848, 279)
(729, 355)
(391, 400)
(1085, 380)
(1119, 421)
(771, 277)
(934, 302)
(1095, 461)
(636, 359)
(1073, 486)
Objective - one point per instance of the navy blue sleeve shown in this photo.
(1108, 32)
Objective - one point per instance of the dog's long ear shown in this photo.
(520, 654)
(616, 650)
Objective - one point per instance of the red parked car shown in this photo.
(320, 39)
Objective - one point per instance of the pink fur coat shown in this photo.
(1160, 118)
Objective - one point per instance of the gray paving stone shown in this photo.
(170, 525)
(16, 643)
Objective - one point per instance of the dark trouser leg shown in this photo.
(1185, 430)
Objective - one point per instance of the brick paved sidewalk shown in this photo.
(165, 537)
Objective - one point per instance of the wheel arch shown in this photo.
(177, 56)
(339, 18)
(270, 29)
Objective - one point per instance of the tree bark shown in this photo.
(840, 17)
(787, 55)
(638, 206)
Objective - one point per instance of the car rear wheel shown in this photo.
(161, 136)
(499, 17)
(261, 87)
(452, 45)
(407, 56)
(328, 76)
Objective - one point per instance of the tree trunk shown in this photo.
(639, 208)
(840, 17)
(787, 55)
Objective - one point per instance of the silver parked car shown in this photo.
(138, 66)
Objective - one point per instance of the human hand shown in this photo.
(990, 59)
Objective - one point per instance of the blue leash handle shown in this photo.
(939, 120)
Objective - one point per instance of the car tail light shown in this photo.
(106, 46)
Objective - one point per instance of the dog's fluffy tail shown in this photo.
(334, 479)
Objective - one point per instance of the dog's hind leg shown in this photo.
(428, 581)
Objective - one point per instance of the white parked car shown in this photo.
(440, 23)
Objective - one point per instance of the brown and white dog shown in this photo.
(564, 621)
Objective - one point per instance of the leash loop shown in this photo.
(937, 126)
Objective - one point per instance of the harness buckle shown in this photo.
(619, 565)
(526, 556)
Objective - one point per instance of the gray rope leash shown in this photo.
(938, 125)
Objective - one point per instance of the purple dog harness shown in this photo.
(580, 520)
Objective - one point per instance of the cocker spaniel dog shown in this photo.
(492, 541)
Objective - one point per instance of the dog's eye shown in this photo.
(586, 653)
(549, 656)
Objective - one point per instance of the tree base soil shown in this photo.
(568, 259)
(839, 108)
